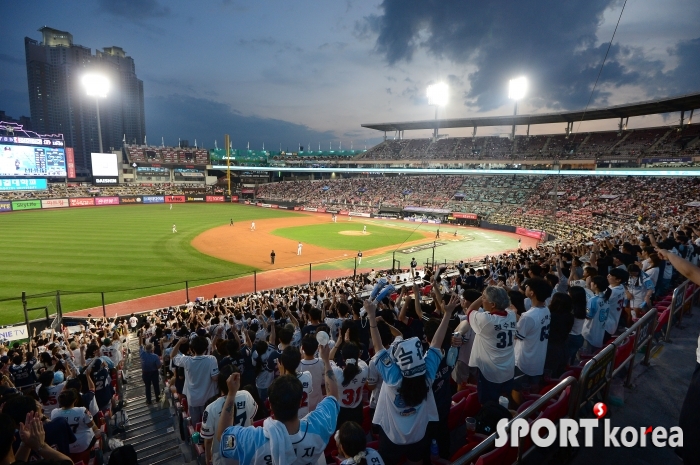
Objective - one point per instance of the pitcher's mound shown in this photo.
(354, 233)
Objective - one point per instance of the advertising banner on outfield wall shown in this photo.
(465, 216)
(106, 200)
(360, 214)
(153, 199)
(26, 204)
(195, 198)
(130, 200)
(5, 207)
(215, 198)
(530, 233)
(174, 199)
(234, 198)
(310, 209)
(14, 333)
(343, 212)
(82, 202)
(265, 205)
(55, 203)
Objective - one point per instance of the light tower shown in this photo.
(438, 96)
(96, 85)
(517, 88)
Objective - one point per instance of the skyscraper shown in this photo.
(58, 102)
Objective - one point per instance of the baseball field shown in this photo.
(130, 252)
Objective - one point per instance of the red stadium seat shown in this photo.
(457, 415)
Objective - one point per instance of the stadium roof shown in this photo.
(651, 107)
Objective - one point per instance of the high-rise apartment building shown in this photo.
(59, 104)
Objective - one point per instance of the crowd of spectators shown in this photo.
(633, 144)
(59, 390)
(365, 194)
(591, 204)
(61, 190)
(331, 358)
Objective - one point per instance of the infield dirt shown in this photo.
(239, 244)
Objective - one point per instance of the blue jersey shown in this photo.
(597, 312)
(249, 445)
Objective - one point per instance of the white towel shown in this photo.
(280, 444)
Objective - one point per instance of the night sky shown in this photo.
(311, 71)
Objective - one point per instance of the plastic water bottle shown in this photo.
(452, 353)
(377, 287)
(385, 292)
(434, 450)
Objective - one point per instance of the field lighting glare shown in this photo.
(96, 85)
(517, 88)
(437, 94)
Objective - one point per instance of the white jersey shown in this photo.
(52, 402)
(307, 383)
(372, 457)
(593, 329)
(113, 352)
(133, 321)
(374, 379)
(250, 446)
(315, 368)
(246, 408)
(79, 420)
(617, 304)
(351, 394)
(492, 351)
(639, 287)
(531, 339)
(401, 423)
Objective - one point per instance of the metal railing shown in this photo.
(678, 305)
(487, 444)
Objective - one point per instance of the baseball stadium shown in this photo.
(439, 299)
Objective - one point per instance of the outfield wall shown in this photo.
(7, 206)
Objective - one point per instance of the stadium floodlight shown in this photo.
(517, 88)
(438, 94)
(96, 85)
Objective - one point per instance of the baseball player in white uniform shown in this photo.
(174, 229)
(299, 248)
(252, 226)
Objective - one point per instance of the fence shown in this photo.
(113, 302)
(682, 301)
(597, 374)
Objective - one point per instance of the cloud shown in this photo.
(684, 77)
(554, 43)
(261, 42)
(179, 116)
(135, 10)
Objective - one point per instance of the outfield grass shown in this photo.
(328, 235)
(110, 249)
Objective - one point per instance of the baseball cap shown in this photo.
(58, 377)
(408, 355)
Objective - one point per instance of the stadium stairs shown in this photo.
(152, 429)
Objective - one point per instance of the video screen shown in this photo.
(104, 164)
(26, 160)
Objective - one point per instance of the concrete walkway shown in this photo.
(654, 400)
